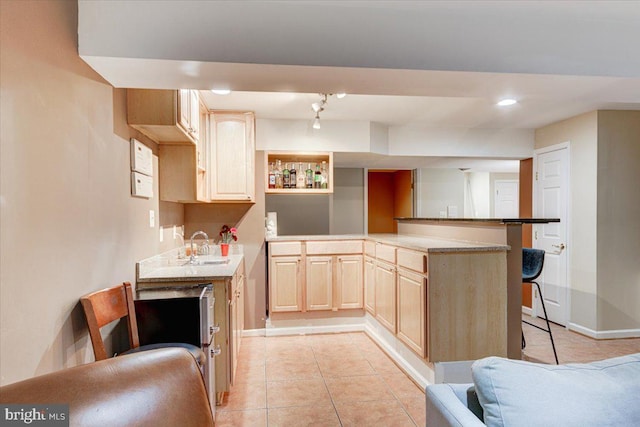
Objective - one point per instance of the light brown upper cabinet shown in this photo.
(232, 156)
(165, 116)
(184, 169)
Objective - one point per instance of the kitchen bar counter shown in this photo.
(488, 220)
(505, 231)
(416, 242)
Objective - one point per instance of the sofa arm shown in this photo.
(158, 387)
(447, 406)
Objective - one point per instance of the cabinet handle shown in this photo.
(215, 351)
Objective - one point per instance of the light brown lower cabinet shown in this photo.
(316, 275)
(285, 284)
(386, 295)
(412, 310)
(319, 283)
(370, 285)
(349, 281)
(236, 314)
(443, 305)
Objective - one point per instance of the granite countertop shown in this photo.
(408, 241)
(492, 220)
(168, 267)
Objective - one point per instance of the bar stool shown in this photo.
(532, 263)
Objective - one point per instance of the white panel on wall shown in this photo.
(141, 158)
(141, 185)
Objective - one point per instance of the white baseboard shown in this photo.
(312, 329)
(528, 311)
(421, 373)
(605, 335)
(254, 333)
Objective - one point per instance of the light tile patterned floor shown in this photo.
(346, 380)
(319, 380)
(570, 346)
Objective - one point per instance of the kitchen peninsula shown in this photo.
(435, 294)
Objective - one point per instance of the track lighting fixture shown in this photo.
(318, 107)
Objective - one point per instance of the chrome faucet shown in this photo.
(181, 253)
(192, 258)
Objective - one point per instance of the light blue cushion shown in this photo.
(518, 393)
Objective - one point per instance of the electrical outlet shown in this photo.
(152, 218)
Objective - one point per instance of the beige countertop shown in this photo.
(408, 241)
(167, 268)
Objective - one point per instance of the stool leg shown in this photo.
(546, 318)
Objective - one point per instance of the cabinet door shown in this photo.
(194, 115)
(349, 281)
(386, 295)
(319, 283)
(284, 284)
(184, 112)
(232, 156)
(202, 156)
(412, 303)
(233, 331)
(370, 285)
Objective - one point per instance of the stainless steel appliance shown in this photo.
(181, 314)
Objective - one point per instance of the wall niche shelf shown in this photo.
(296, 158)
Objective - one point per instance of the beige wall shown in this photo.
(68, 223)
(581, 133)
(605, 207)
(618, 220)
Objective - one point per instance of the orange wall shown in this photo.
(403, 199)
(526, 211)
(380, 210)
(390, 196)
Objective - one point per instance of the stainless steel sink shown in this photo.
(207, 262)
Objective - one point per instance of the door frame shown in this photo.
(556, 147)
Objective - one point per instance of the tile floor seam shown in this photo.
(333, 403)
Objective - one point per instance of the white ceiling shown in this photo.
(436, 64)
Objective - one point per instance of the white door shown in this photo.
(506, 199)
(551, 201)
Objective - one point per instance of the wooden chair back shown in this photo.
(105, 306)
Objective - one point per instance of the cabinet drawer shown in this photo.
(370, 248)
(386, 252)
(413, 260)
(334, 247)
(285, 248)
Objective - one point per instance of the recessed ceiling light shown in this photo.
(341, 95)
(507, 101)
(221, 91)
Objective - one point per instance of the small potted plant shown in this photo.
(228, 234)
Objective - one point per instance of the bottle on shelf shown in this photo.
(292, 176)
(301, 177)
(272, 175)
(324, 182)
(309, 173)
(286, 176)
(317, 179)
(278, 173)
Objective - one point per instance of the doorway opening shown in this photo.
(389, 195)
